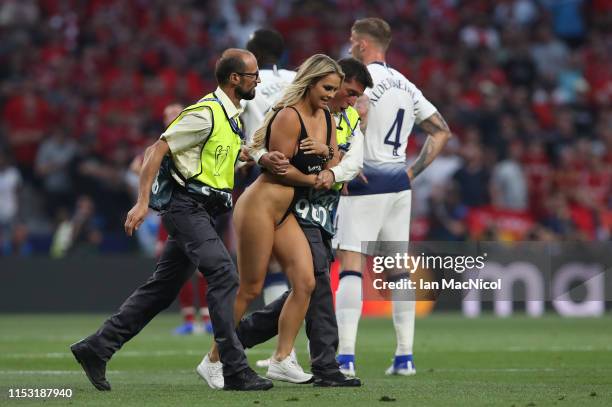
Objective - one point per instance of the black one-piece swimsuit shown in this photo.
(306, 163)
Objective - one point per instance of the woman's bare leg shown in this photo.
(255, 238)
(293, 253)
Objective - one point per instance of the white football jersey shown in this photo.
(395, 105)
(273, 83)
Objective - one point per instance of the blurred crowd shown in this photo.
(525, 85)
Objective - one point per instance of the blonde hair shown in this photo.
(309, 73)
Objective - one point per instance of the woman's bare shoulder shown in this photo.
(287, 119)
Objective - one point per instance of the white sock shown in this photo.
(403, 321)
(348, 312)
(273, 291)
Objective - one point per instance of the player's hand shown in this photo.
(344, 190)
(362, 105)
(275, 162)
(362, 177)
(410, 174)
(325, 179)
(312, 146)
(135, 217)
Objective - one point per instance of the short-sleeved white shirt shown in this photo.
(273, 83)
(395, 105)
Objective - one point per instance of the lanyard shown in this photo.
(236, 128)
(345, 117)
(233, 122)
(345, 147)
(348, 123)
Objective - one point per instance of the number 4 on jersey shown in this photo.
(395, 130)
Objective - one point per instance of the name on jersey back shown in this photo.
(386, 84)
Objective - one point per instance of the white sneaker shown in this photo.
(287, 370)
(294, 360)
(212, 373)
(265, 363)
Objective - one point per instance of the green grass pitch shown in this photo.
(488, 361)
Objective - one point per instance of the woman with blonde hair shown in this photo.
(296, 126)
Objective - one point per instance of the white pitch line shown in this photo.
(127, 353)
(500, 370)
(75, 337)
(587, 348)
(80, 372)
(509, 370)
(549, 349)
(189, 371)
(49, 372)
(40, 338)
(166, 353)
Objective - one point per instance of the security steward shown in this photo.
(188, 175)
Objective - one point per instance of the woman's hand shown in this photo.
(312, 146)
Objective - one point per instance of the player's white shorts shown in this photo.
(368, 218)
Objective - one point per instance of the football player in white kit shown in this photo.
(377, 207)
(267, 45)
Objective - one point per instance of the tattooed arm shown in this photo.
(438, 134)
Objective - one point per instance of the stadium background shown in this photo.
(525, 86)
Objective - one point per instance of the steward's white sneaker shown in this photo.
(212, 373)
(287, 370)
(402, 366)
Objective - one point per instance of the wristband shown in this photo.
(330, 156)
(256, 156)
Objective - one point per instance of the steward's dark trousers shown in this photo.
(321, 326)
(192, 244)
